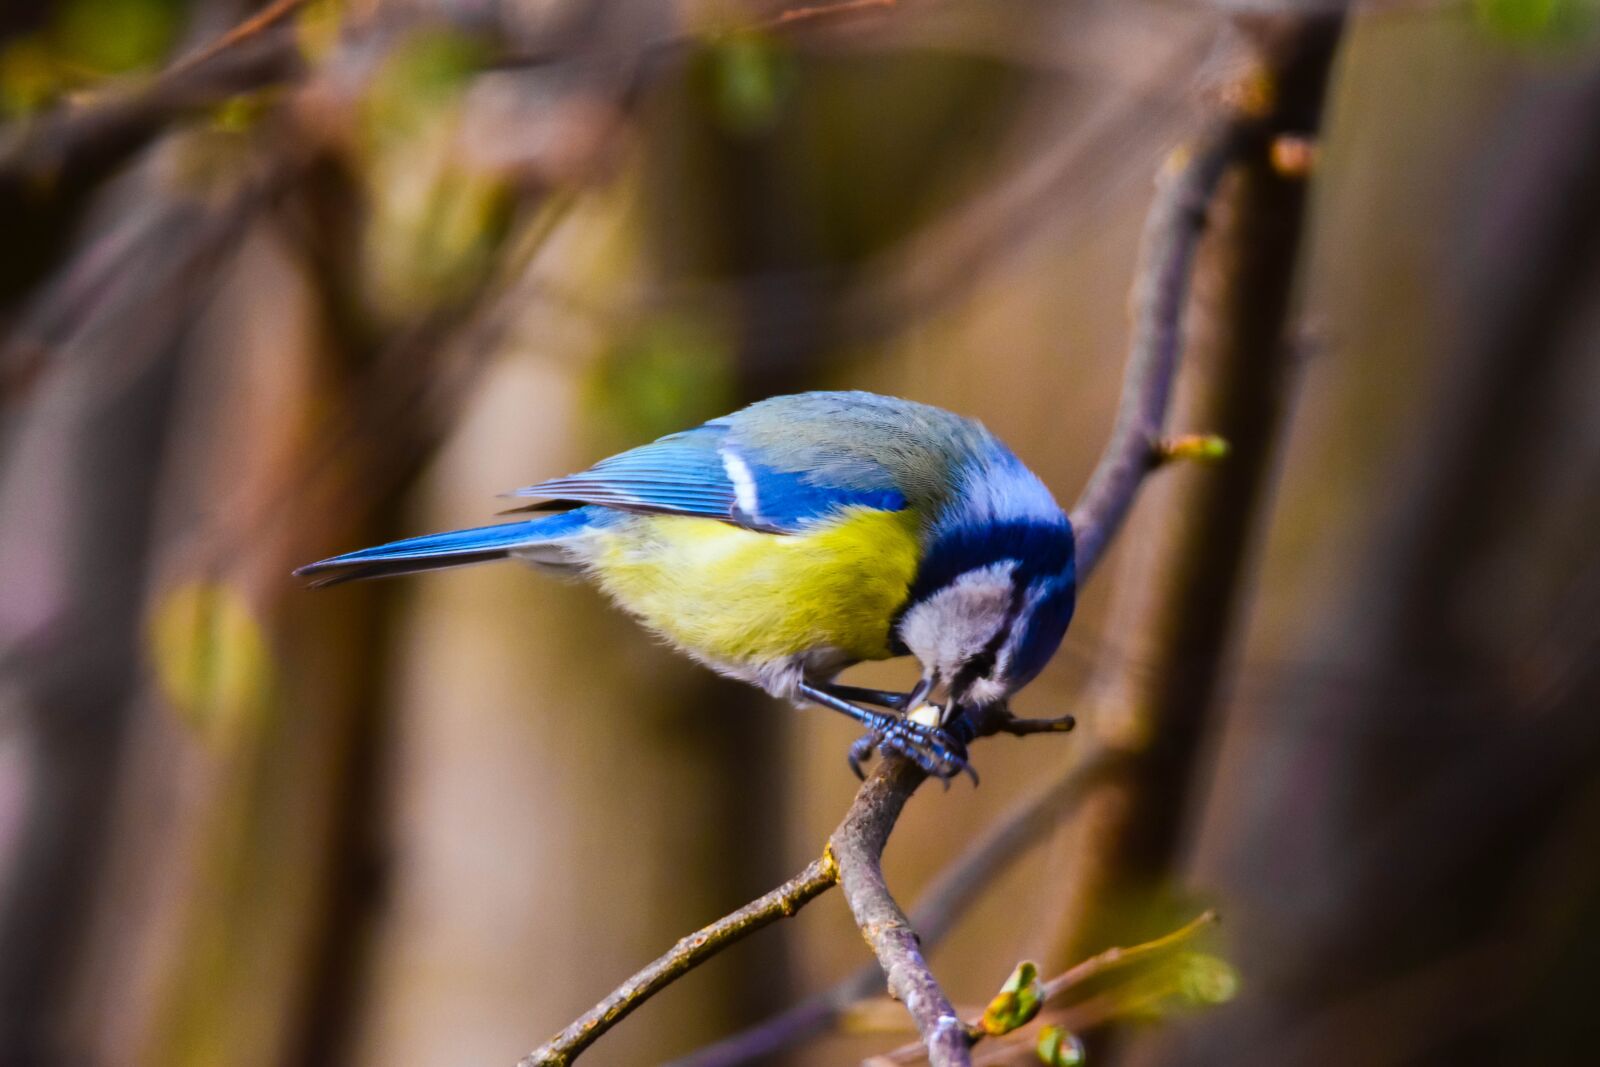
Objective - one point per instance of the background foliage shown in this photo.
(374, 262)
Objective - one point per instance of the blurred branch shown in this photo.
(77, 146)
(819, 876)
(812, 12)
(258, 23)
(189, 237)
(1114, 958)
(1044, 174)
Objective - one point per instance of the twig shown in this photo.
(1010, 724)
(818, 877)
(1172, 233)
(263, 20)
(1178, 607)
(816, 11)
(77, 145)
(1112, 959)
(943, 903)
(858, 847)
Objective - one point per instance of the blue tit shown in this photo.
(801, 535)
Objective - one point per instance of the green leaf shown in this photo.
(1204, 979)
(751, 79)
(116, 35)
(1539, 22)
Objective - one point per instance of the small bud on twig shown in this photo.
(1293, 156)
(1059, 1047)
(1017, 1002)
(1252, 96)
(1200, 447)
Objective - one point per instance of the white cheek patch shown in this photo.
(987, 690)
(960, 620)
(744, 483)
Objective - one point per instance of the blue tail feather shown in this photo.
(450, 549)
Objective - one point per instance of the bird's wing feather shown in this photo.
(681, 473)
(707, 473)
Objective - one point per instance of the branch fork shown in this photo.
(1171, 239)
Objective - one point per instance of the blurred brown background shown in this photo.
(371, 264)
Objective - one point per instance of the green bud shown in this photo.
(1017, 1002)
(1200, 447)
(1059, 1047)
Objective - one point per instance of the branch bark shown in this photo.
(1177, 607)
(1172, 236)
(1161, 290)
(944, 901)
(818, 877)
(858, 846)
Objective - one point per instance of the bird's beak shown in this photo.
(920, 691)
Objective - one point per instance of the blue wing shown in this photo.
(681, 473)
(704, 472)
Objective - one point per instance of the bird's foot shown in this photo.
(938, 752)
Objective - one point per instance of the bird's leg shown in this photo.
(936, 751)
(878, 698)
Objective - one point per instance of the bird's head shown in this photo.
(988, 609)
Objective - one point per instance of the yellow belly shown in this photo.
(739, 597)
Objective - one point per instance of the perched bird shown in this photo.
(803, 534)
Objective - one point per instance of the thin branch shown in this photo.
(1116, 958)
(818, 877)
(78, 144)
(1112, 959)
(1178, 609)
(258, 23)
(1010, 724)
(813, 12)
(944, 902)
(858, 847)
(1171, 237)
(1172, 234)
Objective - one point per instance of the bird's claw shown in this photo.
(861, 749)
(939, 753)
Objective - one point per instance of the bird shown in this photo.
(799, 536)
